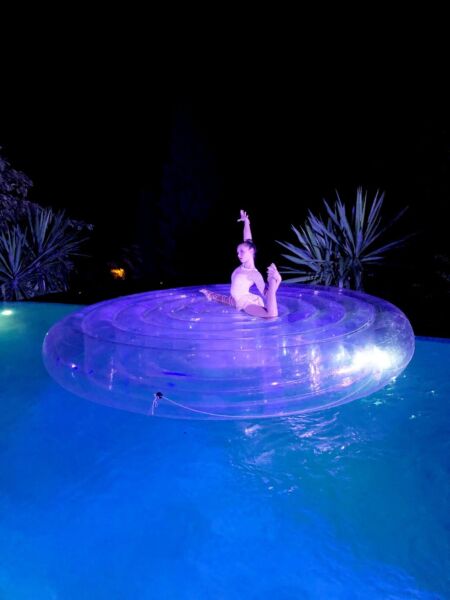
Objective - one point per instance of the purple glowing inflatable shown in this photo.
(172, 353)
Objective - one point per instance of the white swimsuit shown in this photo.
(241, 282)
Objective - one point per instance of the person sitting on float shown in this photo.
(246, 276)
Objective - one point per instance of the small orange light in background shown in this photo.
(118, 273)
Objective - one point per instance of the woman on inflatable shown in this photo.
(247, 275)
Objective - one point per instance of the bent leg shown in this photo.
(273, 281)
(271, 306)
(257, 311)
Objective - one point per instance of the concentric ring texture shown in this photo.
(171, 353)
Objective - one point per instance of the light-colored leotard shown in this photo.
(241, 281)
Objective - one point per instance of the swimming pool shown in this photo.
(351, 502)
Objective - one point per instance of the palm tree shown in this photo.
(37, 245)
(36, 254)
(339, 250)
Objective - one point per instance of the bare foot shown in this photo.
(273, 276)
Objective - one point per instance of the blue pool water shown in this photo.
(96, 503)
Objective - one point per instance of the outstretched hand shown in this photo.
(244, 217)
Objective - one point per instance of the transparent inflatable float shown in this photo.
(171, 353)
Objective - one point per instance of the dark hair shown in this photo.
(250, 244)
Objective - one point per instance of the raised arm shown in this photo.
(247, 231)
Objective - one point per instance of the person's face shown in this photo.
(244, 253)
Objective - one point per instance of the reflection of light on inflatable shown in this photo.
(372, 357)
(314, 369)
(6, 312)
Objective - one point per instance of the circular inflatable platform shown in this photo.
(171, 353)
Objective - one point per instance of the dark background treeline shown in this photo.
(162, 172)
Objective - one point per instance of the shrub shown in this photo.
(338, 251)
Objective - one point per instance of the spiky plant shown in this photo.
(36, 254)
(339, 250)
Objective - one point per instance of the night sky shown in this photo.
(273, 137)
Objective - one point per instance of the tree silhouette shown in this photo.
(189, 192)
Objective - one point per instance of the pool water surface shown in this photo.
(350, 502)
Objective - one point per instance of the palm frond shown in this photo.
(336, 251)
(36, 254)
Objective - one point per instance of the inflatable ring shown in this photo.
(171, 353)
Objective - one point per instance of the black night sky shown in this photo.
(111, 139)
